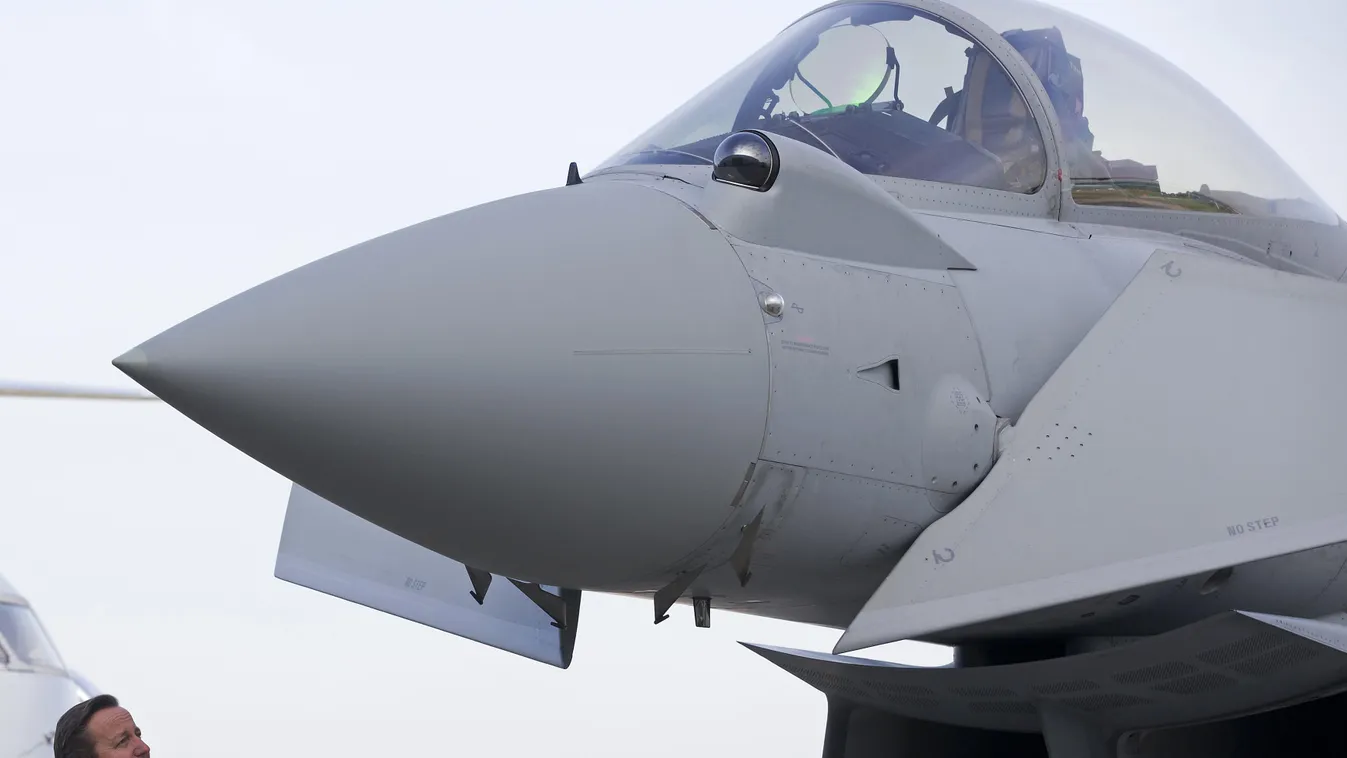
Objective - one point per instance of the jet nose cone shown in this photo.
(131, 362)
(566, 386)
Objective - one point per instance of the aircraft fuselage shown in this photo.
(753, 367)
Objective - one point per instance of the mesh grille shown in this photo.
(1156, 673)
(1240, 649)
(1195, 684)
(1105, 701)
(1066, 688)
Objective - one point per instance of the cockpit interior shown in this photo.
(901, 92)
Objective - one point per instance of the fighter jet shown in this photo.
(974, 324)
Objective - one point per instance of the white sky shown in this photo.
(156, 158)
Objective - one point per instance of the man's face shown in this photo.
(115, 735)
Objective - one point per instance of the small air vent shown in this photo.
(885, 374)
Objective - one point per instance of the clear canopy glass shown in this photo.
(893, 91)
(24, 637)
(872, 84)
(1143, 133)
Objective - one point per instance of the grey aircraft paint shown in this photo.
(833, 362)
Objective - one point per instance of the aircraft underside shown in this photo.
(1234, 685)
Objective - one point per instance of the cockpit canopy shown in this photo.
(897, 91)
(23, 641)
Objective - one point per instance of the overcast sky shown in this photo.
(158, 157)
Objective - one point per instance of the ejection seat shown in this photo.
(989, 112)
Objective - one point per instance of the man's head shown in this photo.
(98, 728)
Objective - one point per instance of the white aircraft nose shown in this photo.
(564, 387)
